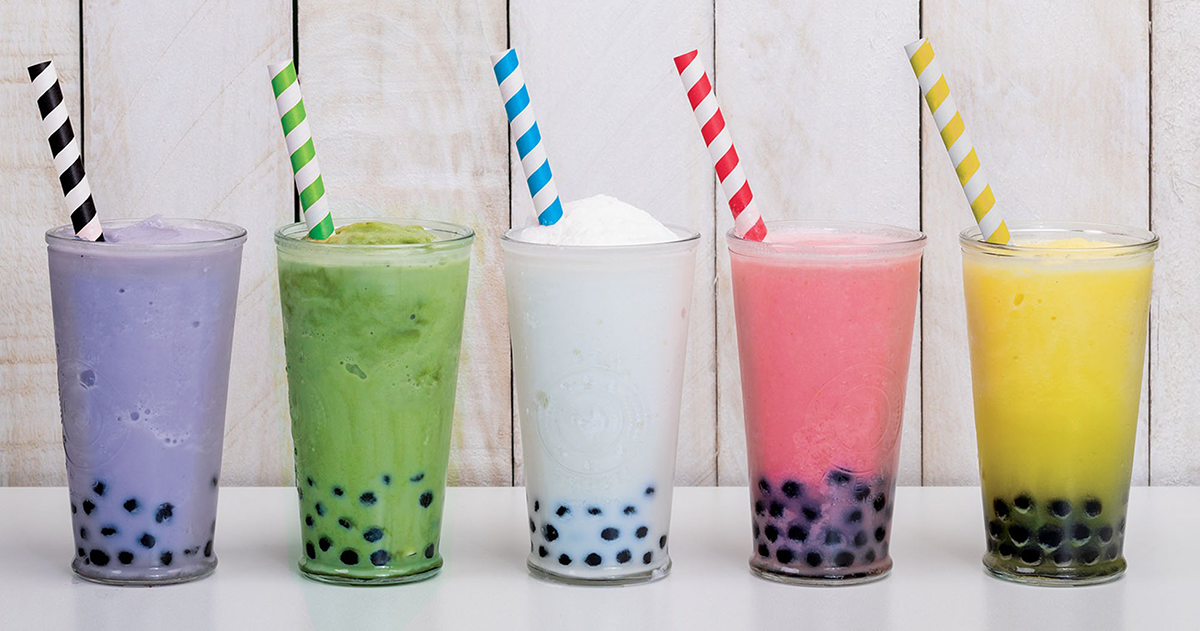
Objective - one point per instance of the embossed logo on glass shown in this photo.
(862, 405)
(593, 422)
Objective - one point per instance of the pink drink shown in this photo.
(824, 316)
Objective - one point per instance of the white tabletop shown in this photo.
(937, 581)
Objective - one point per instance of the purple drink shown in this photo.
(143, 327)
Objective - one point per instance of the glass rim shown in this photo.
(1140, 239)
(286, 236)
(65, 235)
(686, 236)
(904, 240)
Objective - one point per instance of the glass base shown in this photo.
(876, 573)
(640, 578)
(161, 576)
(371, 581)
(1060, 577)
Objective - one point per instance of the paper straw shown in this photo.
(309, 184)
(747, 221)
(958, 143)
(528, 139)
(68, 162)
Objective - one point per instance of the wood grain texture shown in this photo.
(1055, 96)
(615, 120)
(1175, 197)
(823, 116)
(30, 432)
(181, 122)
(405, 117)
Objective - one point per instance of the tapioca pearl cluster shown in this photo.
(115, 529)
(1054, 532)
(615, 534)
(327, 515)
(840, 522)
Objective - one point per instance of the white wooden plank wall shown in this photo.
(177, 117)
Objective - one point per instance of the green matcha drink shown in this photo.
(372, 324)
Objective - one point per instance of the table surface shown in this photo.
(937, 582)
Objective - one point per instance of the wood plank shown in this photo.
(1055, 97)
(615, 120)
(821, 105)
(1175, 195)
(30, 433)
(180, 121)
(405, 115)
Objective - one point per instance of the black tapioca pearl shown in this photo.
(310, 550)
(308, 521)
(125, 557)
(880, 533)
(367, 499)
(843, 559)
(98, 557)
(98, 488)
(1105, 533)
(426, 499)
(880, 502)
(629, 510)
(564, 559)
(995, 529)
(625, 555)
(646, 558)
(387, 480)
(310, 481)
(1089, 553)
(164, 512)
(869, 556)
(74, 510)
(166, 557)
(373, 534)
(811, 512)
(300, 493)
(1093, 507)
(1121, 526)
(641, 532)
(348, 557)
(549, 532)
(1049, 536)
(532, 526)
(325, 543)
(609, 534)
(838, 478)
(649, 491)
(320, 508)
(82, 552)
(797, 533)
(860, 539)
(429, 550)
(215, 481)
(1000, 507)
(813, 559)
(88, 507)
(337, 490)
(832, 537)
(562, 511)
(784, 555)
(380, 558)
(764, 486)
(1060, 508)
(759, 507)
(754, 529)
(861, 492)
(108, 531)
(791, 488)
(1061, 556)
(131, 505)
(775, 509)
(536, 505)
(208, 550)
(771, 533)
(595, 511)
(1023, 503)
(1112, 551)
(83, 533)
(345, 523)
(418, 477)
(147, 540)
(1018, 533)
(1080, 532)
(1006, 550)
(592, 559)
(853, 517)
(542, 552)
(1031, 555)
(763, 550)
(662, 542)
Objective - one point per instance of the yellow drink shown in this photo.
(1057, 331)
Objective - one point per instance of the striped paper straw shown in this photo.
(68, 162)
(958, 143)
(529, 140)
(300, 146)
(747, 221)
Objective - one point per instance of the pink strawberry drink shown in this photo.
(824, 316)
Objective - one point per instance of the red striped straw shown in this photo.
(747, 221)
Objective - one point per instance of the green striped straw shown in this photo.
(300, 145)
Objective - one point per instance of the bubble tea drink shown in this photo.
(372, 325)
(1057, 324)
(824, 315)
(598, 312)
(143, 327)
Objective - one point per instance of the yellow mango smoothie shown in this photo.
(1057, 331)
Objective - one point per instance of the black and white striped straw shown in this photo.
(68, 162)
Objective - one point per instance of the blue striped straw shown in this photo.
(529, 140)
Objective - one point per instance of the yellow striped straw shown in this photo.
(958, 143)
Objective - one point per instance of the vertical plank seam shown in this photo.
(82, 111)
(512, 397)
(1150, 224)
(921, 284)
(716, 287)
(296, 62)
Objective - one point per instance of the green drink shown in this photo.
(372, 325)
